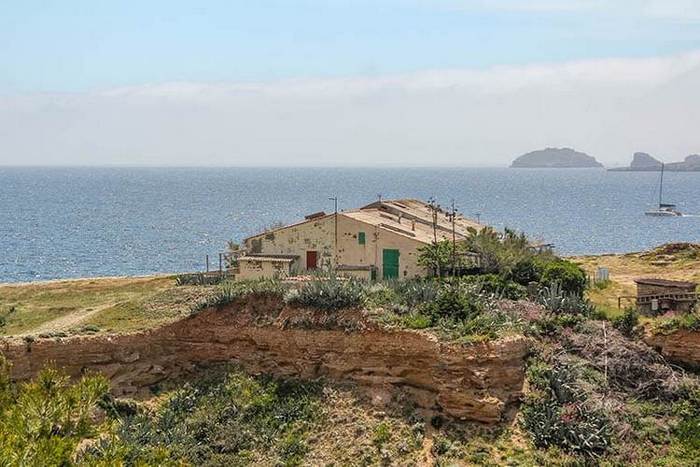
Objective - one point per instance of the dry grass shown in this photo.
(674, 261)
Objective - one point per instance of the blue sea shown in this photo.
(79, 222)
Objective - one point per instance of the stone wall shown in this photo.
(473, 382)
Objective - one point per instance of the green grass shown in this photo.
(150, 310)
(118, 303)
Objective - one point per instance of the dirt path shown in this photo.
(68, 321)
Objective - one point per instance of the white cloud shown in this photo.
(679, 10)
(609, 108)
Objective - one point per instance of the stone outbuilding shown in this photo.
(380, 240)
(655, 296)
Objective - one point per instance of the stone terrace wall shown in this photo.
(474, 382)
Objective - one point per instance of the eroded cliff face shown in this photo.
(473, 382)
(680, 346)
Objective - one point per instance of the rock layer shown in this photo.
(680, 346)
(473, 382)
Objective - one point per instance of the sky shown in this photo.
(346, 82)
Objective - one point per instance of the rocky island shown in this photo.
(557, 158)
(643, 162)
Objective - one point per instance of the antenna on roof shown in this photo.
(379, 197)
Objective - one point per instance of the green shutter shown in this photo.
(361, 238)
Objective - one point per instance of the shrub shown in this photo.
(527, 270)
(556, 300)
(198, 278)
(329, 294)
(228, 292)
(627, 323)
(455, 300)
(417, 321)
(493, 284)
(415, 292)
(382, 434)
(43, 421)
(570, 277)
(219, 420)
(557, 413)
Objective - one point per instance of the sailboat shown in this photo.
(664, 209)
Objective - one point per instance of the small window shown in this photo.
(361, 238)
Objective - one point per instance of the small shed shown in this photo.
(255, 266)
(656, 296)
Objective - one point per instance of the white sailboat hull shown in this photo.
(661, 213)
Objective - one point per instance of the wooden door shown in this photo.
(390, 264)
(311, 259)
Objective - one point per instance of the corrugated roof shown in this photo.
(664, 282)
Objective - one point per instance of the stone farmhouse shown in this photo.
(380, 240)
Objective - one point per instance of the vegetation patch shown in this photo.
(329, 293)
(223, 419)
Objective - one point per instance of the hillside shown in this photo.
(462, 372)
(560, 158)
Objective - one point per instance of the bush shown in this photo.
(493, 284)
(557, 413)
(228, 292)
(570, 277)
(527, 270)
(416, 321)
(43, 421)
(415, 292)
(329, 294)
(627, 323)
(557, 301)
(199, 278)
(455, 300)
(227, 419)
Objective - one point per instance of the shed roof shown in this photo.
(664, 282)
(269, 258)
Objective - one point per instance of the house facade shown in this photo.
(380, 240)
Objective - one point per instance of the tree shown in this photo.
(438, 257)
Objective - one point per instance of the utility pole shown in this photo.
(434, 207)
(452, 215)
(335, 220)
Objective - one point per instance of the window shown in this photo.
(361, 238)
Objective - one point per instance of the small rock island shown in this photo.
(643, 162)
(555, 158)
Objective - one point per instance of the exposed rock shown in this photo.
(559, 158)
(474, 382)
(680, 346)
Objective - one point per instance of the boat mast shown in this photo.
(661, 186)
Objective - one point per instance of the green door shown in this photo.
(390, 264)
